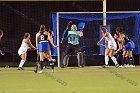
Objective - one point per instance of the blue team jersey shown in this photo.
(43, 37)
(73, 37)
(43, 43)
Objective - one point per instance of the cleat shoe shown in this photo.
(81, 66)
(20, 68)
(105, 66)
(41, 71)
(35, 71)
(52, 64)
(127, 65)
(45, 67)
(53, 60)
(132, 66)
(63, 66)
(121, 66)
(52, 70)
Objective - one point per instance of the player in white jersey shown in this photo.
(26, 44)
(111, 47)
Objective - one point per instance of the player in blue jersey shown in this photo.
(42, 43)
(127, 47)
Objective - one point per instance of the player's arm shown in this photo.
(49, 38)
(31, 45)
(115, 36)
(81, 33)
(37, 35)
(65, 32)
(120, 48)
(122, 38)
(121, 45)
(64, 35)
(101, 40)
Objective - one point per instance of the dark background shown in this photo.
(17, 17)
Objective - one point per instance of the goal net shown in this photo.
(129, 20)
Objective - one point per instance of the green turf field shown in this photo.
(71, 80)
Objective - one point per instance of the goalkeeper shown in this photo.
(73, 37)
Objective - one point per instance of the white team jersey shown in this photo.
(25, 45)
(23, 49)
(111, 42)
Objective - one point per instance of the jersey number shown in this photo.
(42, 37)
(72, 38)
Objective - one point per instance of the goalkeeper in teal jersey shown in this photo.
(73, 45)
(73, 37)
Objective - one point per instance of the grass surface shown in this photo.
(71, 80)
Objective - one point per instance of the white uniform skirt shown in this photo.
(112, 45)
(22, 50)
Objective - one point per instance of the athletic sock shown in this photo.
(131, 59)
(21, 63)
(127, 60)
(123, 61)
(45, 63)
(52, 64)
(79, 58)
(106, 60)
(114, 60)
(41, 65)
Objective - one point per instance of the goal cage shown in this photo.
(129, 20)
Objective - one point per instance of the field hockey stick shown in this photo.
(117, 56)
(102, 45)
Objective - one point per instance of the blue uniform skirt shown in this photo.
(43, 46)
(128, 47)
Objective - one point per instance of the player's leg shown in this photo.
(79, 59)
(111, 52)
(80, 55)
(119, 57)
(51, 61)
(124, 58)
(106, 58)
(127, 49)
(37, 62)
(127, 59)
(131, 59)
(41, 55)
(66, 56)
(46, 61)
(65, 60)
(23, 59)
